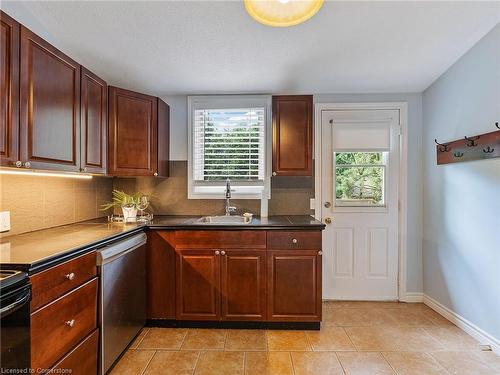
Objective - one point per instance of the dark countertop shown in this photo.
(34, 251)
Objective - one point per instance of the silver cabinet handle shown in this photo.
(222, 252)
(70, 323)
(18, 164)
(27, 165)
(294, 240)
(320, 252)
(217, 252)
(70, 276)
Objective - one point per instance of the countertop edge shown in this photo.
(62, 256)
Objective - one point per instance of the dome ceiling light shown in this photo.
(282, 13)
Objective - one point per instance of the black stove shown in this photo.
(15, 297)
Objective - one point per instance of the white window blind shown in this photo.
(229, 143)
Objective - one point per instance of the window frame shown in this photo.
(242, 189)
(361, 208)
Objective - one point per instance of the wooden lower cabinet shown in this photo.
(198, 277)
(82, 360)
(243, 285)
(59, 326)
(294, 285)
(280, 283)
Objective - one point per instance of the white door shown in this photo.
(359, 191)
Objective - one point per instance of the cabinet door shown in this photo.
(9, 90)
(198, 285)
(133, 133)
(49, 106)
(294, 285)
(94, 119)
(243, 284)
(292, 135)
(160, 264)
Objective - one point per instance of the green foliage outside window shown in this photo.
(359, 178)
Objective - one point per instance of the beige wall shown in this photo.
(289, 195)
(37, 202)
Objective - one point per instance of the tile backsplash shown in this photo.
(289, 195)
(37, 202)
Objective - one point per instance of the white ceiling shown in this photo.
(168, 48)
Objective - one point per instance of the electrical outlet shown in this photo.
(312, 204)
(4, 221)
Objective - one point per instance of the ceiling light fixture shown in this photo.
(282, 13)
(46, 174)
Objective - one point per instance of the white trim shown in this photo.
(403, 198)
(413, 297)
(483, 337)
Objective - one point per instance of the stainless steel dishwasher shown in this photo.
(122, 305)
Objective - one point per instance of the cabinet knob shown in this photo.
(327, 204)
(27, 165)
(320, 252)
(217, 252)
(274, 173)
(294, 240)
(70, 276)
(156, 174)
(328, 220)
(222, 252)
(18, 163)
(70, 323)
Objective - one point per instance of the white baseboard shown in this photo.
(413, 297)
(483, 337)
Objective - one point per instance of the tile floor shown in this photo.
(356, 338)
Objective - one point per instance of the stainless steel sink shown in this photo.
(229, 220)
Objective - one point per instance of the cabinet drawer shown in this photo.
(54, 282)
(82, 360)
(295, 240)
(214, 239)
(60, 325)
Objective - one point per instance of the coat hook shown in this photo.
(458, 154)
(442, 147)
(488, 150)
(496, 124)
(471, 141)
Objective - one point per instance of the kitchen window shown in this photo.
(229, 138)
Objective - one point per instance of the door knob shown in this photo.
(328, 220)
(327, 204)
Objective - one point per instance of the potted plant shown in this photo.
(127, 202)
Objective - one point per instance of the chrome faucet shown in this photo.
(227, 207)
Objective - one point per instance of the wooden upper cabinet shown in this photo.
(292, 135)
(93, 123)
(138, 134)
(49, 106)
(9, 90)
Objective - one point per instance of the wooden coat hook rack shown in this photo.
(482, 146)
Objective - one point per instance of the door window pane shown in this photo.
(360, 179)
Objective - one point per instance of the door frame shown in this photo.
(403, 174)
